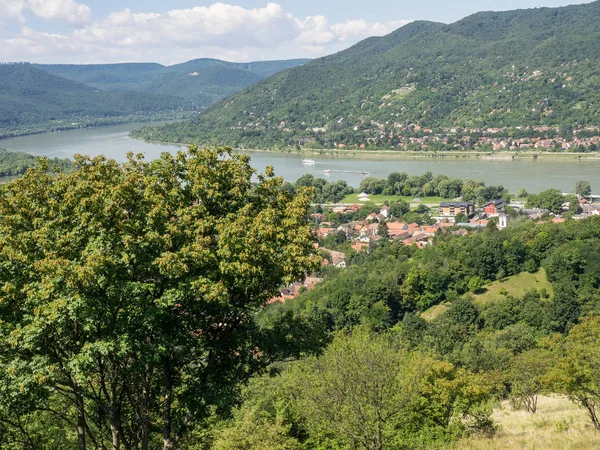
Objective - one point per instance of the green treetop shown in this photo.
(128, 291)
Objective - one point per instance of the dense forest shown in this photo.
(137, 312)
(201, 81)
(37, 97)
(31, 99)
(507, 70)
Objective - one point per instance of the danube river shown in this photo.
(533, 175)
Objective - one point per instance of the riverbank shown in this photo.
(411, 154)
(396, 154)
(155, 119)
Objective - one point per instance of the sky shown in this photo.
(174, 31)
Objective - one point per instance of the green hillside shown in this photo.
(507, 69)
(202, 81)
(515, 286)
(30, 97)
(114, 77)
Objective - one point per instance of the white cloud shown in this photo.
(63, 10)
(68, 11)
(360, 29)
(12, 9)
(220, 30)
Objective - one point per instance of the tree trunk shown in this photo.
(168, 443)
(145, 408)
(81, 425)
(114, 430)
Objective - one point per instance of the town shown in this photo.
(460, 218)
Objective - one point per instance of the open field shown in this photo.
(516, 286)
(558, 425)
(433, 312)
(380, 198)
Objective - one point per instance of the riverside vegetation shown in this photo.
(505, 75)
(133, 315)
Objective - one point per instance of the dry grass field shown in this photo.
(558, 425)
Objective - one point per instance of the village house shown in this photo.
(451, 209)
(359, 246)
(294, 289)
(338, 259)
(396, 228)
(494, 208)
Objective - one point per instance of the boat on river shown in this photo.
(309, 162)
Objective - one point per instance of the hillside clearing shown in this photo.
(558, 425)
(433, 312)
(515, 286)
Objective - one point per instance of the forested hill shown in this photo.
(202, 81)
(506, 69)
(30, 97)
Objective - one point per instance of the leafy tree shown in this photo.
(526, 376)
(399, 209)
(522, 193)
(475, 283)
(372, 185)
(464, 312)
(367, 391)
(129, 291)
(550, 199)
(358, 390)
(382, 230)
(583, 188)
(461, 218)
(577, 372)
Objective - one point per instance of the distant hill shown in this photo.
(39, 97)
(491, 69)
(30, 97)
(202, 81)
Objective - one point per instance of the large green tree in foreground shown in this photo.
(128, 294)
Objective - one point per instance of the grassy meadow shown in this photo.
(558, 425)
(515, 286)
(380, 198)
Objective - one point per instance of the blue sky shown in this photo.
(101, 31)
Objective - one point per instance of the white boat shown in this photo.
(327, 171)
(308, 161)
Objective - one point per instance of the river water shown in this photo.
(533, 175)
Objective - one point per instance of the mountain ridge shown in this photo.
(29, 96)
(202, 80)
(491, 69)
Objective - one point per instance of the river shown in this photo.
(533, 175)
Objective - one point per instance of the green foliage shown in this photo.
(128, 292)
(576, 373)
(202, 81)
(366, 391)
(16, 163)
(494, 69)
(30, 97)
(550, 199)
(526, 376)
(583, 188)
